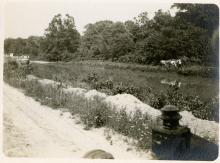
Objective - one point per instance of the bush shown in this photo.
(158, 100)
(135, 91)
(126, 58)
(108, 84)
(91, 78)
(109, 87)
(201, 109)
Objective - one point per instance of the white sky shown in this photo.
(31, 17)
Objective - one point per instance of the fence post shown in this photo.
(170, 141)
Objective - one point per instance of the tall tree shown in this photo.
(61, 38)
(202, 15)
(205, 16)
(33, 46)
(94, 42)
(107, 40)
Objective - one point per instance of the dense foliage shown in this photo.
(61, 39)
(192, 34)
(30, 46)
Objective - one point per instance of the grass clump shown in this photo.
(93, 113)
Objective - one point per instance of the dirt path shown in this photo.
(33, 130)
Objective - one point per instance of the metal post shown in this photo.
(170, 140)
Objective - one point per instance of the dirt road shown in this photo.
(33, 130)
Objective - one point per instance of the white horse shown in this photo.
(171, 62)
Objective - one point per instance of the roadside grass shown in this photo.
(92, 113)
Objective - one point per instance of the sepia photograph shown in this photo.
(110, 79)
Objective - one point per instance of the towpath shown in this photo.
(34, 130)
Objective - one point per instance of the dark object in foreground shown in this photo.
(98, 154)
(170, 141)
(201, 149)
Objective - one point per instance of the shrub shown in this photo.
(108, 84)
(158, 100)
(201, 109)
(109, 87)
(126, 58)
(135, 91)
(91, 78)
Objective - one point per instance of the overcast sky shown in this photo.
(24, 18)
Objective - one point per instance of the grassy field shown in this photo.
(196, 93)
(76, 73)
(187, 70)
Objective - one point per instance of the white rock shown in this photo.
(75, 91)
(31, 77)
(45, 82)
(203, 128)
(131, 104)
(94, 93)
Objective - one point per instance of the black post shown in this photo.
(170, 141)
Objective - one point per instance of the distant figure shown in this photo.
(98, 154)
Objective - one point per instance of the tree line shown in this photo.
(191, 34)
